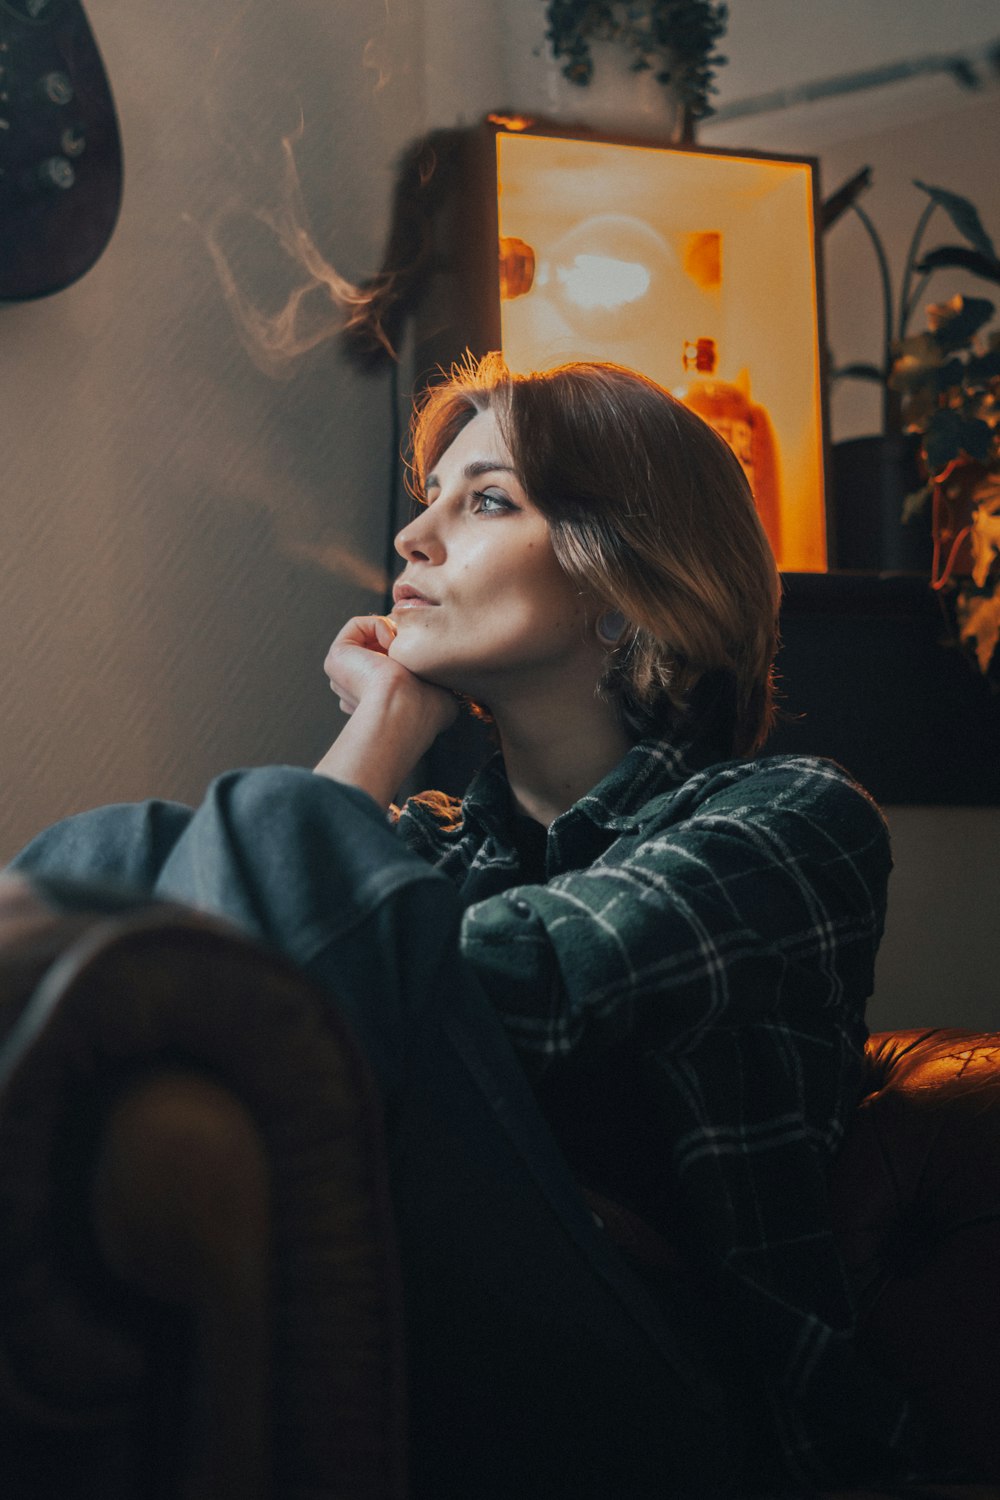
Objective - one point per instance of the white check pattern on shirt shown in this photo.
(720, 922)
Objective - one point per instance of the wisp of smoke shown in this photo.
(275, 340)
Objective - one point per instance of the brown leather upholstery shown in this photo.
(916, 1201)
(916, 1206)
(199, 1295)
(194, 1236)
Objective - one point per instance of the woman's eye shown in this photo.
(491, 504)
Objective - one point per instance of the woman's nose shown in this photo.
(420, 540)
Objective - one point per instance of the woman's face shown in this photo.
(483, 606)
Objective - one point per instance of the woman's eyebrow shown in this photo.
(473, 471)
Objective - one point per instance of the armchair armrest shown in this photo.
(198, 1287)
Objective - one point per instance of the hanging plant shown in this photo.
(675, 38)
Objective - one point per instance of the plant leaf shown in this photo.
(949, 374)
(976, 438)
(921, 348)
(957, 255)
(942, 440)
(916, 362)
(917, 407)
(985, 545)
(858, 372)
(963, 215)
(956, 328)
(914, 503)
(979, 617)
(987, 493)
(983, 367)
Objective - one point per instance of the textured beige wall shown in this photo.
(164, 612)
(938, 961)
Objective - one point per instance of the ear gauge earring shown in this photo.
(611, 627)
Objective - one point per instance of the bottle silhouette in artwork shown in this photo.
(743, 423)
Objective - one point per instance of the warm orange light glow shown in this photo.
(745, 426)
(512, 122)
(639, 252)
(517, 267)
(606, 275)
(703, 258)
(604, 281)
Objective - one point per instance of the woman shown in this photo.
(633, 957)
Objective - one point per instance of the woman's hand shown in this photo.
(358, 664)
(394, 716)
(357, 659)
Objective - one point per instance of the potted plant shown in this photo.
(941, 404)
(948, 383)
(948, 379)
(675, 38)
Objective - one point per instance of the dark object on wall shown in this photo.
(872, 477)
(871, 677)
(60, 153)
(160, 1071)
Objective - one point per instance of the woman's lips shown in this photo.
(405, 597)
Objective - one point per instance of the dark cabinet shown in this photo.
(867, 678)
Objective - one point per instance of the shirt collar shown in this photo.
(696, 739)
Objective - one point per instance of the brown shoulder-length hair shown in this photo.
(649, 512)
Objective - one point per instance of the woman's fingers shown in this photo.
(358, 657)
(373, 632)
(358, 664)
(385, 631)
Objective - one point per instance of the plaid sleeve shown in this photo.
(767, 892)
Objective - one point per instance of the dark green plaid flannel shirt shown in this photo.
(715, 924)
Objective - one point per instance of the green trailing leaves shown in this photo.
(676, 37)
(949, 434)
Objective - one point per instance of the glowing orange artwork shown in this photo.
(697, 269)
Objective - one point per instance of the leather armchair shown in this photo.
(198, 1290)
(199, 1295)
(916, 1198)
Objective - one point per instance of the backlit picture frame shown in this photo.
(701, 269)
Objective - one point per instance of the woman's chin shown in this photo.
(408, 653)
(423, 663)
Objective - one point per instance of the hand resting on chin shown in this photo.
(393, 716)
